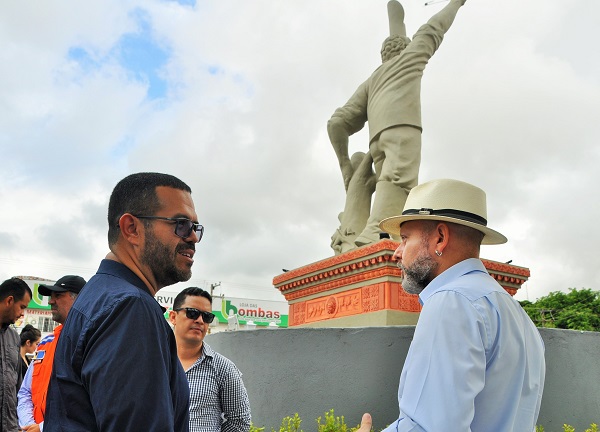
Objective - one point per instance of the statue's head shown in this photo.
(393, 46)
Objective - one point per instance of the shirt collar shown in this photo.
(120, 270)
(207, 350)
(457, 270)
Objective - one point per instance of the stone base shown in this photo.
(361, 288)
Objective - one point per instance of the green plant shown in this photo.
(332, 423)
(575, 310)
(255, 428)
(290, 424)
(567, 428)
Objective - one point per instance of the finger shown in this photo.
(366, 423)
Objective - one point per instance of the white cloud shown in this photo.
(509, 104)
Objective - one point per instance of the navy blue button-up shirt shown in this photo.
(116, 365)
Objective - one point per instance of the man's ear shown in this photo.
(442, 233)
(172, 315)
(9, 301)
(131, 228)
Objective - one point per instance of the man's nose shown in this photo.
(398, 253)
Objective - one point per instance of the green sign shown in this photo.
(38, 301)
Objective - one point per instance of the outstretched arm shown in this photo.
(444, 18)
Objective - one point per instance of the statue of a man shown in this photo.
(390, 100)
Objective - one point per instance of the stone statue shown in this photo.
(390, 101)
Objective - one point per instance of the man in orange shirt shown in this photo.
(32, 395)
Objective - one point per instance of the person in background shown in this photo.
(115, 364)
(15, 295)
(32, 394)
(218, 397)
(30, 338)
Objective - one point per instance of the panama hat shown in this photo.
(448, 201)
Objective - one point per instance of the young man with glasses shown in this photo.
(218, 398)
(116, 365)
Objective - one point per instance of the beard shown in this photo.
(161, 260)
(418, 275)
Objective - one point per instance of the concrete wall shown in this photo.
(356, 370)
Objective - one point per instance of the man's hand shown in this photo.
(31, 428)
(366, 423)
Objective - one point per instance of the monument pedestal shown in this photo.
(362, 288)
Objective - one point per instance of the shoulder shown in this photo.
(48, 339)
(11, 335)
(219, 361)
(109, 294)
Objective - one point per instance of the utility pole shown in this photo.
(213, 286)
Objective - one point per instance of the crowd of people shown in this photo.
(115, 364)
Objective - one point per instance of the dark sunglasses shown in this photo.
(193, 314)
(183, 226)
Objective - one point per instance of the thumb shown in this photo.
(366, 423)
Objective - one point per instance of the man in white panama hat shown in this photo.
(476, 362)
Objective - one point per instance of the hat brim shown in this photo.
(392, 225)
(47, 290)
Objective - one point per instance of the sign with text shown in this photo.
(260, 312)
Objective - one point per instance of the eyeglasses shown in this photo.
(193, 314)
(183, 226)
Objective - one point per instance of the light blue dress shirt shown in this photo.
(476, 362)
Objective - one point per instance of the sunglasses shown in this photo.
(193, 314)
(183, 226)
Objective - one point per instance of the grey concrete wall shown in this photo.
(356, 370)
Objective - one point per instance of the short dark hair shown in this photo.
(30, 333)
(15, 287)
(191, 291)
(136, 194)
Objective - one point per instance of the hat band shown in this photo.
(456, 214)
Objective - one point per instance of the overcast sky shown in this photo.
(233, 97)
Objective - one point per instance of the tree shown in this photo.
(575, 310)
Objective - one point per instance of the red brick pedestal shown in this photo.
(362, 288)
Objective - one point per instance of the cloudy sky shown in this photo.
(233, 97)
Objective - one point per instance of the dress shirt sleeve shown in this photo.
(234, 402)
(445, 367)
(122, 369)
(25, 404)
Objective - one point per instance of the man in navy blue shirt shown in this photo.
(116, 365)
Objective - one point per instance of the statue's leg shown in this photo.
(358, 203)
(401, 146)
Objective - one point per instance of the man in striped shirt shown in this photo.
(218, 398)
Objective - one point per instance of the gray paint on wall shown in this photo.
(356, 370)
